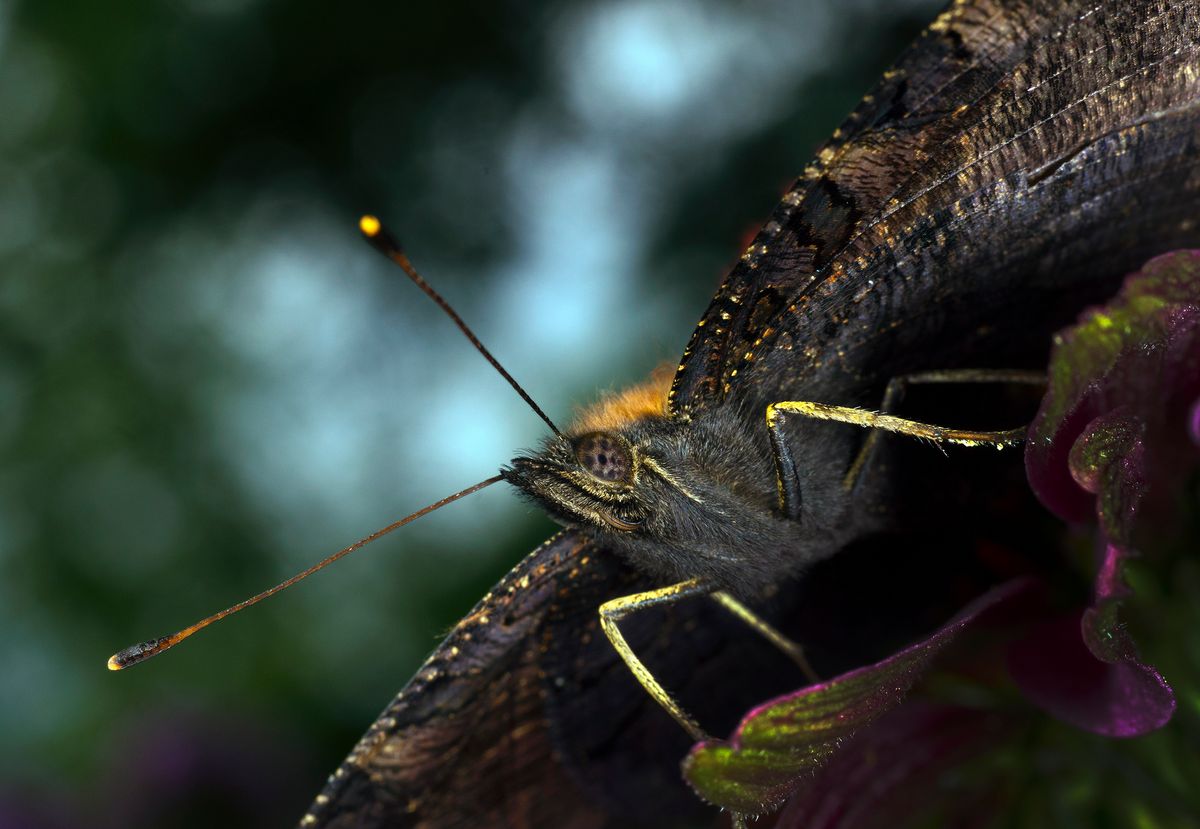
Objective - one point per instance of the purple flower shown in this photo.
(1113, 441)
(1116, 435)
(782, 742)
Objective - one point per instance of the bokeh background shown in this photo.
(208, 381)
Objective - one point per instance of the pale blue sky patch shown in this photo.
(579, 225)
(693, 70)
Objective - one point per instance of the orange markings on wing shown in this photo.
(647, 399)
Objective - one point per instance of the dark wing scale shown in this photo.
(526, 717)
(613, 740)
(1067, 172)
(466, 742)
(938, 195)
(953, 61)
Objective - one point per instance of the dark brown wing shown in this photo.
(1000, 158)
(526, 717)
(466, 742)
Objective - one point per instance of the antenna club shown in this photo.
(139, 652)
(370, 226)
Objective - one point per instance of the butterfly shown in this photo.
(1014, 163)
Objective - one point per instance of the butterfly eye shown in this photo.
(603, 456)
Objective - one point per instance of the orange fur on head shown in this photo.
(618, 408)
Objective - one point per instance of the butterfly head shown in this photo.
(680, 500)
(595, 479)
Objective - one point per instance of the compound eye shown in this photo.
(603, 456)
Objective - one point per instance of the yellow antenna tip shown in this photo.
(369, 225)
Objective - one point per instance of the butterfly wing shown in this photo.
(465, 743)
(992, 167)
(525, 716)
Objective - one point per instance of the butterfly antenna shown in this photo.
(386, 244)
(144, 650)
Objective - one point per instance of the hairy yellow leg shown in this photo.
(794, 651)
(777, 413)
(896, 387)
(611, 612)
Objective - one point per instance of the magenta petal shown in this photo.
(1098, 630)
(917, 743)
(1047, 467)
(1139, 355)
(1108, 441)
(1056, 671)
(784, 740)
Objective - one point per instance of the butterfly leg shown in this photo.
(787, 479)
(767, 631)
(893, 395)
(611, 612)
